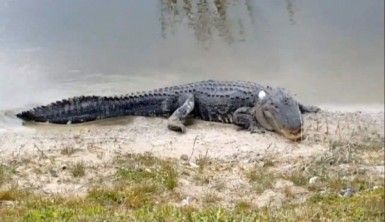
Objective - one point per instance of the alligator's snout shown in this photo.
(296, 131)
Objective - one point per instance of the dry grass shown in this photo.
(211, 198)
(78, 170)
(68, 151)
(260, 178)
(203, 161)
(5, 173)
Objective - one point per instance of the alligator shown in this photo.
(247, 104)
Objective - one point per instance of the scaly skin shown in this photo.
(228, 102)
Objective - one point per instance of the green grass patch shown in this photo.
(143, 190)
(261, 178)
(12, 194)
(5, 173)
(364, 206)
(127, 197)
(243, 206)
(136, 169)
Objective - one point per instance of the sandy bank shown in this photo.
(41, 154)
(141, 134)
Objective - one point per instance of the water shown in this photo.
(326, 52)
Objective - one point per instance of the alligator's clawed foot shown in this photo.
(177, 126)
(177, 119)
(256, 129)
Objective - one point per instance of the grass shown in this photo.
(68, 151)
(147, 169)
(139, 181)
(260, 178)
(145, 188)
(243, 206)
(298, 177)
(128, 197)
(288, 192)
(268, 163)
(366, 206)
(211, 198)
(202, 179)
(3, 174)
(78, 170)
(202, 161)
(12, 194)
(337, 169)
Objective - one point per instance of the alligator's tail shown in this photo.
(88, 108)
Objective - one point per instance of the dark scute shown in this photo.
(28, 116)
(58, 121)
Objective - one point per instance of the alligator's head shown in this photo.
(279, 112)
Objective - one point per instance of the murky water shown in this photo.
(326, 52)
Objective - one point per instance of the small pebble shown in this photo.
(313, 180)
(193, 165)
(184, 157)
(187, 201)
(7, 203)
(348, 192)
(53, 173)
(376, 187)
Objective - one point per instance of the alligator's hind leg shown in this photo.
(177, 119)
(243, 118)
(308, 109)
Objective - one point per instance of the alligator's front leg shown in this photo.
(177, 119)
(243, 118)
(308, 109)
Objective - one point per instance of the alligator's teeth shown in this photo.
(220, 118)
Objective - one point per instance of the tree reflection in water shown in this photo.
(208, 18)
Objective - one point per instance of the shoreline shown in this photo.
(10, 123)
